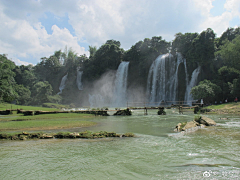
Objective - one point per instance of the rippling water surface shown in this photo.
(155, 153)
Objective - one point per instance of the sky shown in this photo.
(32, 29)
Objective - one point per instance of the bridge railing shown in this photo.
(162, 104)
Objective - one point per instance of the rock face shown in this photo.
(195, 124)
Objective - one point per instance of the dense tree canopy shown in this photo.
(7, 81)
(206, 90)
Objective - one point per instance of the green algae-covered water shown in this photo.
(155, 153)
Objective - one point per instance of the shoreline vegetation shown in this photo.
(62, 135)
(224, 108)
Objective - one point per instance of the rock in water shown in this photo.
(206, 121)
(190, 124)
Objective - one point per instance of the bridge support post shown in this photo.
(145, 111)
(180, 110)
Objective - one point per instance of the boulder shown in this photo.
(161, 111)
(125, 112)
(206, 121)
(190, 124)
(178, 127)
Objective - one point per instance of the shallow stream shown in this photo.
(157, 152)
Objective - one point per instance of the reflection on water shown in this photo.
(153, 154)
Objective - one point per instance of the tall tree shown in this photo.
(7, 81)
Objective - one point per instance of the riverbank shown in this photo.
(225, 108)
(61, 135)
(19, 122)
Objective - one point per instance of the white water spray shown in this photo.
(120, 89)
(63, 84)
(162, 79)
(79, 80)
(192, 83)
(95, 100)
(162, 84)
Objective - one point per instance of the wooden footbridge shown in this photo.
(180, 105)
(160, 106)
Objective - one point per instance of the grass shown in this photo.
(4, 106)
(44, 124)
(19, 122)
(56, 106)
(231, 105)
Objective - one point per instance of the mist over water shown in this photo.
(101, 94)
(79, 80)
(111, 89)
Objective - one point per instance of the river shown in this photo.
(157, 152)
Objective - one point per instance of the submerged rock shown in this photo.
(195, 124)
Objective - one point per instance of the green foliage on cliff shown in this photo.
(141, 55)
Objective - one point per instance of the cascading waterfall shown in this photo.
(162, 79)
(79, 80)
(62, 84)
(120, 89)
(162, 84)
(192, 83)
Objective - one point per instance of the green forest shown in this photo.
(35, 85)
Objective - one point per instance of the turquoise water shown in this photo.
(157, 152)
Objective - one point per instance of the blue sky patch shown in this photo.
(49, 19)
(234, 22)
(218, 8)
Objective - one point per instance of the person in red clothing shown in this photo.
(236, 100)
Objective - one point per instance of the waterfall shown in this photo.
(162, 81)
(79, 80)
(63, 84)
(192, 83)
(120, 88)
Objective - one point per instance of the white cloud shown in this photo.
(22, 35)
(218, 23)
(233, 6)
(19, 62)
(21, 39)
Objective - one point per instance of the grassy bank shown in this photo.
(225, 108)
(4, 106)
(19, 122)
(231, 105)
